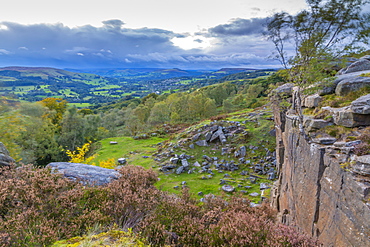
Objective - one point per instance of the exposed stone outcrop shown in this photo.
(346, 83)
(312, 100)
(359, 65)
(5, 159)
(87, 174)
(313, 192)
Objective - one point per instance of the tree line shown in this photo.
(42, 132)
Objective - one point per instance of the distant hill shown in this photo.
(158, 74)
(30, 76)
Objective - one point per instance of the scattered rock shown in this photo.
(184, 163)
(202, 143)
(264, 186)
(243, 151)
(196, 164)
(254, 194)
(228, 188)
(180, 170)
(113, 143)
(122, 161)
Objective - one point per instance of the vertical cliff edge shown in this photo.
(315, 192)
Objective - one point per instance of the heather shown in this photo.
(38, 208)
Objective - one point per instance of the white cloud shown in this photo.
(4, 52)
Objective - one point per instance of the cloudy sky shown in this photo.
(187, 34)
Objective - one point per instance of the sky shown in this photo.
(185, 34)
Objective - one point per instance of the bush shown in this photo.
(38, 208)
(182, 222)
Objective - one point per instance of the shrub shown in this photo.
(181, 222)
(38, 207)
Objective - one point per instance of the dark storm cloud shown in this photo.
(240, 27)
(236, 44)
(109, 43)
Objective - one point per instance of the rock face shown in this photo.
(314, 193)
(87, 174)
(5, 159)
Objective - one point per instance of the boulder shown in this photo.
(314, 124)
(202, 143)
(361, 105)
(184, 163)
(196, 164)
(359, 65)
(243, 151)
(312, 101)
(346, 117)
(122, 161)
(219, 134)
(180, 170)
(351, 82)
(5, 159)
(285, 89)
(87, 174)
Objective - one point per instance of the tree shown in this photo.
(307, 42)
(73, 130)
(325, 31)
(57, 108)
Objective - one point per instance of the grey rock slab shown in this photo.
(351, 82)
(362, 165)
(314, 124)
(361, 105)
(359, 65)
(254, 194)
(325, 140)
(285, 89)
(202, 143)
(87, 174)
(346, 117)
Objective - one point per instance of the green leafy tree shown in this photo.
(327, 29)
(73, 130)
